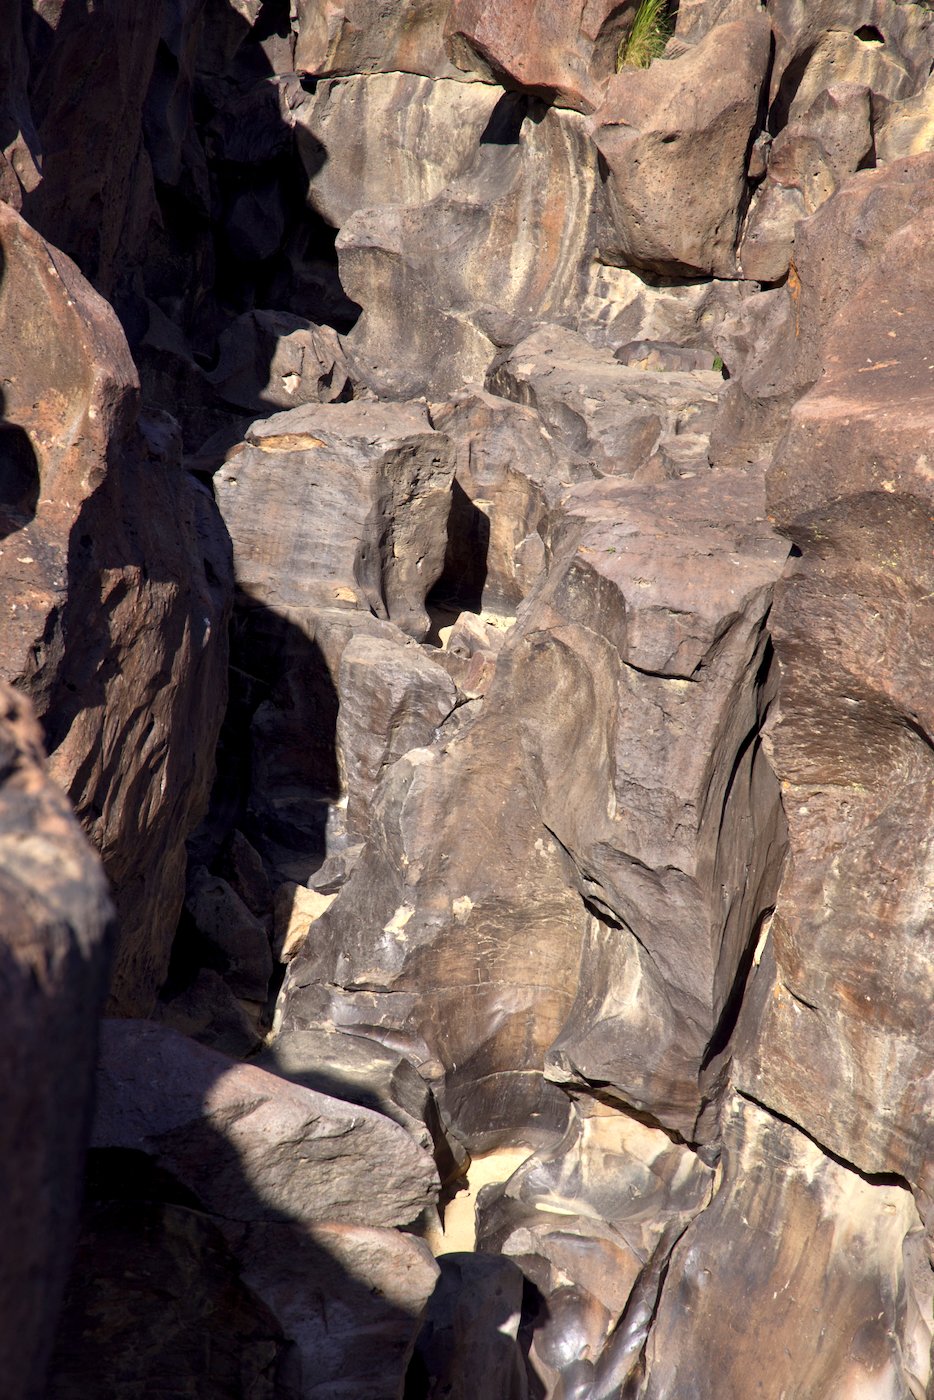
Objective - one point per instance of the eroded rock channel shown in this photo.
(467, 590)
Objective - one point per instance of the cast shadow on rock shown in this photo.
(277, 770)
(19, 474)
(167, 1296)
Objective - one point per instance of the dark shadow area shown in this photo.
(463, 577)
(504, 127)
(19, 472)
(277, 774)
(187, 1282)
(788, 89)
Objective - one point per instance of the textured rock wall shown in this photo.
(530, 896)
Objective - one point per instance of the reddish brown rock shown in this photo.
(824, 1263)
(676, 139)
(55, 921)
(250, 1145)
(564, 53)
(840, 1037)
(506, 243)
(112, 622)
(364, 36)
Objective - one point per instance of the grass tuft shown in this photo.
(647, 37)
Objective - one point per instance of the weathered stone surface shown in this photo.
(363, 36)
(675, 840)
(807, 161)
(851, 740)
(248, 1144)
(387, 139)
(360, 1070)
(237, 944)
(676, 138)
(349, 1297)
(510, 470)
(775, 349)
(114, 624)
(880, 45)
(621, 306)
(591, 1222)
(816, 1254)
(468, 1343)
(336, 512)
(628, 619)
(393, 698)
(429, 944)
(340, 505)
(564, 53)
(296, 909)
(286, 783)
(906, 128)
(506, 243)
(618, 420)
(269, 359)
(55, 922)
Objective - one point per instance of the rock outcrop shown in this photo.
(56, 927)
(114, 621)
(466, 516)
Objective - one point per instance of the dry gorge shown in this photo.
(467, 700)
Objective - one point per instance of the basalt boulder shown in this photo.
(560, 52)
(506, 243)
(113, 624)
(56, 921)
(851, 736)
(675, 138)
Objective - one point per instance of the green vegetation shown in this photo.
(647, 37)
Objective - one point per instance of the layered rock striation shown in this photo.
(466, 511)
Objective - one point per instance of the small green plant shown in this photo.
(647, 37)
(717, 362)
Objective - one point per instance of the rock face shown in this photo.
(538, 873)
(851, 740)
(505, 243)
(112, 623)
(819, 1234)
(564, 53)
(676, 141)
(265, 1192)
(56, 924)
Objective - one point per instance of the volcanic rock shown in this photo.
(56, 922)
(115, 625)
(676, 138)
